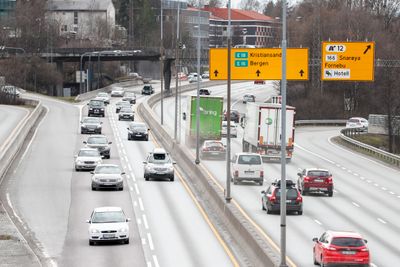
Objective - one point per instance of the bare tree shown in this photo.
(253, 5)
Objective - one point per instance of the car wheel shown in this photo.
(91, 243)
(172, 179)
(119, 118)
(147, 139)
(315, 261)
(94, 188)
(126, 241)
(108, 157)
(121, 189)
(146, 178)
(103, 115)
(300, 212)
(268, 210)
(330, 193)
(261, 183)
(235, 181)
(76, 169)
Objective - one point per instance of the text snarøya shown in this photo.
(349, 58)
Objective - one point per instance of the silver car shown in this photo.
(158, 164)
(101, 143)
(87, 159)
(117, 92)
(126, 114)
(91, 125)
(107, 176)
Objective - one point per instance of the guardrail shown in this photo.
(242, 233)
(381, 154)
(11, 147)
(320, 122)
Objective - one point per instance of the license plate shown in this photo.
(348, 252)
(96, 111)
(248, 171)
(214, 153)
(109, 235)
(138, 135)
(288, 201)
(318, 180)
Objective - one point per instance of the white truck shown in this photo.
(262, 130)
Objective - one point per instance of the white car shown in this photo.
(357, 122)
(247, 167)
(103, 96)
(224, 130)
(193, 78)
(117, 92)
(108, 224)
(87, 159)
(107, 176)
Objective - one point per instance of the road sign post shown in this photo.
(347, 61)
(258, 64)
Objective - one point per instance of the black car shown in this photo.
(122, 104)
(204, 92)
(101, 143)
(91, 125)
(235, 115)
(126, 114)
(147, 90)
(96, 108)
(271, 198)
(138, 130)
(129, 97)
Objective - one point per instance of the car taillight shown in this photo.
(299, 198)
(272, 198)
(330, 180)
(306, 179)
(331, 248)
(205, 149)
(236, 173)
(364, 249)
(262, 174)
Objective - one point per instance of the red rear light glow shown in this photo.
(272, 198)
(261, 173)
(236, 173)
(299, 198)
(331, 248)
(306, 179)
(330, 180)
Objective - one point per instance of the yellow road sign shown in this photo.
(258, 64)
(347, 61)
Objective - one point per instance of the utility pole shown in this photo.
(162, 64)
(228, 113)
(176, 74)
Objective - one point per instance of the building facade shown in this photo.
(83, 19)
(247, 28)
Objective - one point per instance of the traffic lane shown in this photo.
(10, 117)
(383, 175)
(167, 205)
(39, 189)
(77, 251)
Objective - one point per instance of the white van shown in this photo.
(247, 167)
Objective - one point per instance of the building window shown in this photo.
(64, 28)
(75, 17)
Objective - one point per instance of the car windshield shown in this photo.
(108, 217)
(138, 127)
(90, 120)
(354, 120)
(97, 140)
(318, 173)
(126, 110)
(347, 242)
(89, 153)
(107, 169)
(209, 144)
(129, 95)
(159, 158)
(96, 103)
(249, 159)
(291, 193)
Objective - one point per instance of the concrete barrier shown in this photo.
(12, 145)
(242, 233)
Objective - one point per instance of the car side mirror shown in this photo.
(144, 162)
(122, 173)
(92, 172)
(315, 239)
(128, 219)
(87, 104)
(84, 142)
(101, 122)
(299, 174)
(263, 192)
(174, 162)
(88, 221)
(109, 143)
(366, 241)
(127, 128)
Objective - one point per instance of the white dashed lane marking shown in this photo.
(318, 222)
(155, 261)
(146, 225)
(137, 189)
(141, 204)
(355, 204)
(382, 221)
(150, 241)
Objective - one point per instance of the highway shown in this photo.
(366, 197)
(10, 117)
(52, 201)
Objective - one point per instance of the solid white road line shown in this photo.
(155, 261)
(355, 204)
(318, 222)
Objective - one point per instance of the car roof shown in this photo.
(88, 149)
(344, 234)
(95, 118)
(135, 123)
(97, 135)
(357, 118)
(316, 169)
(247, 153)
(108, 165)
(105, 209)
(159, 151)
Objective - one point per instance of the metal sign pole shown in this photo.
(228, 114)
(283, 141)
(197, 161)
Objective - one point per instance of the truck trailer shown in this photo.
(262, 130)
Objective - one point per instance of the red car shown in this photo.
(315, 180)
(213, 149)
(341, 248)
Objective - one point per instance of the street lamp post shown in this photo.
(197, 161)
(176, 75)
(162, 64)
(80, 70)
(228, 113)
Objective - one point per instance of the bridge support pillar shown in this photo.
(167, 76)
(59, 87)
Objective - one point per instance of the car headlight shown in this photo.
(94, 231)
(170, 168)
(98, 126)
(123, 230)
(90, 108)
(79, 162)
(102, 109)
(99, 161)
